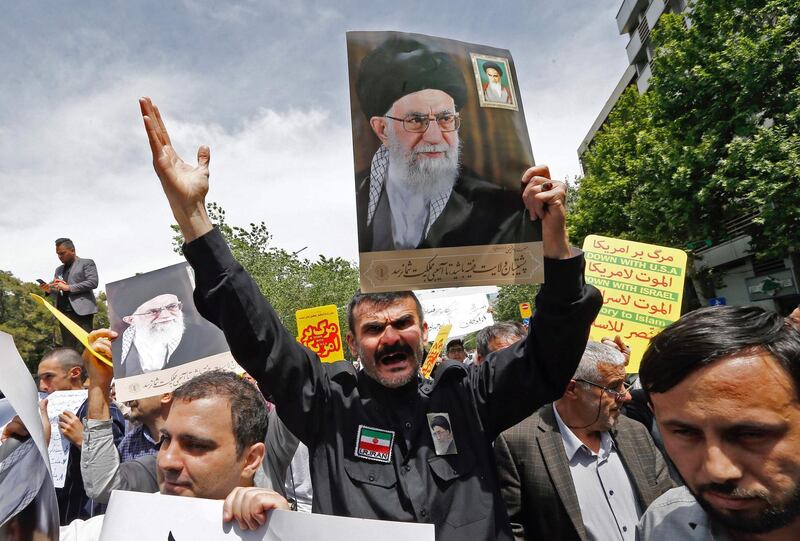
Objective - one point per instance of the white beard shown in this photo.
(156, 343)
(413, 182)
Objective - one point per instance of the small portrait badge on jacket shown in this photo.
(442, 433)
(374, 444)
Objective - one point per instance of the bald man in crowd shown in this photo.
(62, 370)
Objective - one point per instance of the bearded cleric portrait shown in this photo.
(162, 338)
(437, 173)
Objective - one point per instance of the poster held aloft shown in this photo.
(435, 351)
(440, 144)
(163, 341)
(318, 329)
(642, 287)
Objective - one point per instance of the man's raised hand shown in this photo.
(185, 185)
(100, 374)
(546, 200)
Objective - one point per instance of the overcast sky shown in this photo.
(264, 83)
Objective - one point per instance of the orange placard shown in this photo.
(525, 310)
(435, 351)
(318, 329)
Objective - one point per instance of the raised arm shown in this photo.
(518, 380)
(228, 297)
(185, 185)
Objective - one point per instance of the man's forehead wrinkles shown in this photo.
(384, 317)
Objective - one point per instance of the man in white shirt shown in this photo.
(576, 469)
(723, 384)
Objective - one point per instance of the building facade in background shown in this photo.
(725, 272)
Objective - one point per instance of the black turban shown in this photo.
(402, 66)
(490, 64)
(441, 421)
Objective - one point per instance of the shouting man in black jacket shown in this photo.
(370, 445)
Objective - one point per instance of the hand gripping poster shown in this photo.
(440, 144)
(163, 341)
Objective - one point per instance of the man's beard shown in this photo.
(165, 333)
(427, 176)
(392, 383)
(775, 516)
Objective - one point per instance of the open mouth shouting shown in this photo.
(395, 358)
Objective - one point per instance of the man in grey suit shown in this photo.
(576, 469)
(71, 290)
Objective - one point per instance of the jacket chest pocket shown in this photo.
(468, 500)
(371, 474)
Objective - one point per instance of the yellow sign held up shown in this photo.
(525, 310)
(642, 286)
(318, 329)
(435, 351)
(72, 327)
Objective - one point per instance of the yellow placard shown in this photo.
(525, 310)
(435, 351)
(72, 327)
(318, 329)
(642, 287)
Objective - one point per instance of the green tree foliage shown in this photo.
(287, 281)
(507, 306)
(31, 325)
(715, 136)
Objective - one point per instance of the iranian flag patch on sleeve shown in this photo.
(374, 444)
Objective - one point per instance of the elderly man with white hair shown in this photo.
(576, 469)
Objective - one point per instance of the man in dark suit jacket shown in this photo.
(544, 476)
(72, 290)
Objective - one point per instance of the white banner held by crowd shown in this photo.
(180, 519)
(467, 313)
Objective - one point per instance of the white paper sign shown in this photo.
(57, 403)
(467, 313)
(25, 468)
(20, 389)
(182, 519)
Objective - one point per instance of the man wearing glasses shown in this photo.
(416, 194)
(576, 469)
(155, 331)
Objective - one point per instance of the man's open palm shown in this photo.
(185, 185)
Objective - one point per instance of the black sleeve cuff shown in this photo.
(563, 278)
(209, 255)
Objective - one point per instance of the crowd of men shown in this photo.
(539, 436)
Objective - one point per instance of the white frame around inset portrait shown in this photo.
(476, 70)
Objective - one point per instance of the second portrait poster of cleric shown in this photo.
(163, 340)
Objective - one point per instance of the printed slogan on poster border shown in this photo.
(642, 287)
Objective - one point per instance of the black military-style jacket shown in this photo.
(328, 406)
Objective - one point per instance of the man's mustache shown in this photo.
(392, 349)
(732, 491)
(443, 147)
